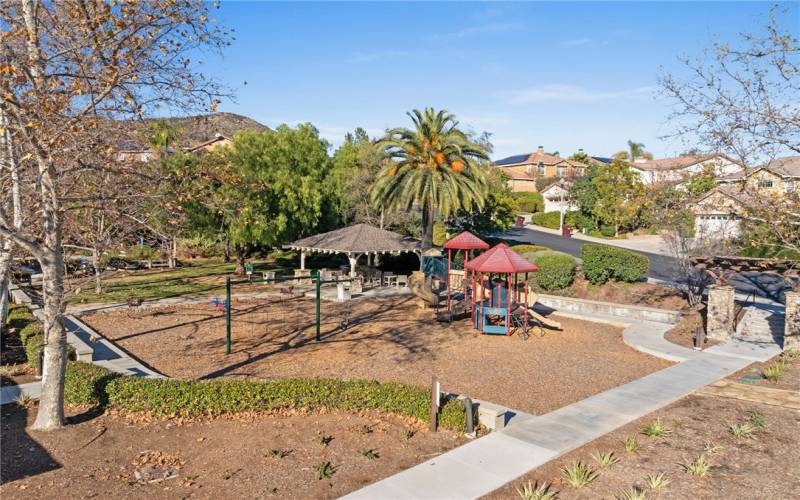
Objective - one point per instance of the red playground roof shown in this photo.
(501, 259)
(466, 241)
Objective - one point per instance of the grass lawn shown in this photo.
(196, 277)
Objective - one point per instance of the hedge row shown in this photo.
(529, 202)
(552, 220)
(602, 263)
(88, 384)
(556, 270)
(528, 248)
(31, 334)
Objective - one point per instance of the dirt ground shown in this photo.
(228, 457)
(752, 375)
(386, 340)
(766, 466)
(683, 333)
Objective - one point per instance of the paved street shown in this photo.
(661, 267)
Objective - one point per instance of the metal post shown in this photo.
(435, 391)
(470, 418)
(228, 315)
(449, 258)
(319, 285)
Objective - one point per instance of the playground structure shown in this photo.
(492, 288)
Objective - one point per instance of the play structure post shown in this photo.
(449, 257)
(228, 315)
(318, 281)
(435, 395)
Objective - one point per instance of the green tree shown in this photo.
(160, 135)
(701, 182)
(620, 195)
(261, 191)
(635, 150)
(584, 192)
(499, 209)
(435, 166)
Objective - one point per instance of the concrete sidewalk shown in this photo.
(488, 463)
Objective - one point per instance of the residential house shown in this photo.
(218, 141)
(718, 213)
(678, 169)
(523, 170)
(557, 197)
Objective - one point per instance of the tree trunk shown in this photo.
(173, 253)
(5, 261)
(240, 257)
(427, 228)
(226, 252)
(98, 284)
(7, 253)
(51, 401)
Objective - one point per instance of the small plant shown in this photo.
(279, 453)
(605, 459)
(365, 429)
(408, 434)
(712, 448)
(6, 370)
(632, 493)
(325, 440)
(657, 482)
(774, 372)
(757, 419)
(656, 429)
(632, 444)
(697, 467)
(324, 470)
(370, 454)
(741, 431)
(579, 474)
(24, 400)
(537, 492)
(228, 474)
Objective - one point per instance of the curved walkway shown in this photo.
(488, 463)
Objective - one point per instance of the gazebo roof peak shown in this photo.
(501, 259)
(358, 238)
(466, 241)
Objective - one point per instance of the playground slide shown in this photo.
(422, 290)
(532, 299)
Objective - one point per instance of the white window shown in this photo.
(540, 168)
(561, 171)
(765, 183)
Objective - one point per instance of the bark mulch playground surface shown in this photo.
(387, 340)
(115, 456)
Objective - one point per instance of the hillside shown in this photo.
(195, 129)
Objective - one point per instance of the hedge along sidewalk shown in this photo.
(87, 384)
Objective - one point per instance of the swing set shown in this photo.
(316, 278)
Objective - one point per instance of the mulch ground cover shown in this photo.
(239, 456)
(764, 465)
(386, 340)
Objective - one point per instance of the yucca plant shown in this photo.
(656, 429)
(324, 440)
(657, 482)
(23, 400)
(579, 474)
(537, 492)
(279, 453)
(773, 372)
(435, 166)
(324, 470)
(741, 431)
(606, 459)
(712, 448)
(370, 454)
(698, 467)
(632, 493)
(632, 444)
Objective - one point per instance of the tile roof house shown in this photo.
(678, 169)
(524, 169)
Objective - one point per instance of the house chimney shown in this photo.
(540, 149)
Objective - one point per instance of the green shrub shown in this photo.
(551, 220)
(439, 233)
(556, 270)
(602, 263)
(32, 346)
(529, 202)
(30, 330)
(607, 231)
(168, 397)
(528, 248)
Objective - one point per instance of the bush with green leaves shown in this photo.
(173, 397)
(525, 248)
(551, 220)
(529, 202)
(556, 270)
(602, 263)
(607, 231)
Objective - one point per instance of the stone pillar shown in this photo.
(721, 310)
(791, 329)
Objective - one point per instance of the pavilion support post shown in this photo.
(353, 258)
(721, 311)
(302, 259)
(791, 331)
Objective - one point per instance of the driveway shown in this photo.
(662, 267)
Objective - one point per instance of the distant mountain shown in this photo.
(194, 129)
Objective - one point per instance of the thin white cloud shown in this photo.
(383, 55)
(485, 29)
(565, 92)
(576, 42)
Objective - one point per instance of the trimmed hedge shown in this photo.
(529, 202)
(602, 263)
(551, 220)
(89, 384)
(556, 270)
(528, 248)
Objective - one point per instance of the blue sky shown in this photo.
(561, 75)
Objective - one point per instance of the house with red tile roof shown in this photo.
(678, 169)
(523, 170)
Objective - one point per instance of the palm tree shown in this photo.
(636, 150)
(435, 166)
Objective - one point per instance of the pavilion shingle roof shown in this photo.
(358, 238)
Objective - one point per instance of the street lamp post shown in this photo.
(561, 219)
